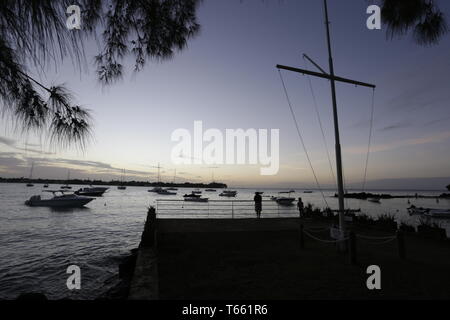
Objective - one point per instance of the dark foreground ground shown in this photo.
(261, 259)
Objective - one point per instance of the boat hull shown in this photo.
(63, 203)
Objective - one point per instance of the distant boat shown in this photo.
(228, 193)
(285, 201)
(91, 191)
(45, 185)
(173, 182)
(307, 191)
(29, 184)
(191, 195)
(210, 190)
(66, 186)
(165, 192)
(155, 189)
(374, 200)
(438, 213)
(197, 191)
(59, 201)
(122, 185)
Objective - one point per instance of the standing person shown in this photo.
(300, 207)
(258, 204)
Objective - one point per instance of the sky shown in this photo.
(227, 79)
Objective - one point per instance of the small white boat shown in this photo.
(91, 191)
(285, 201)
(192, 195)
(165, 192)
(172, 189)
(197, 191)
(228, 193)
(413, 210)
(59, 201)
(155, 189)
(374, 200)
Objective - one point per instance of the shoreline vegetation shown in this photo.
(217, 185)
(368, 195)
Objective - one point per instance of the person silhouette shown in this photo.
(300, 207)
(258, 204)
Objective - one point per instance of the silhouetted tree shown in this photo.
(423, 17)
(34, 33)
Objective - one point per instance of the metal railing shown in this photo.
(222, 209)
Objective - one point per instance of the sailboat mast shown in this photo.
(340, 181)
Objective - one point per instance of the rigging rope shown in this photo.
(301, 137)
(321, 126)
(370, 141)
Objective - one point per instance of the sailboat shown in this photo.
(29, 184)
(122, 185)
(211, 189)
(66, 186)
(173, 182)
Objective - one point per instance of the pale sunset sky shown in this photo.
(227, 79)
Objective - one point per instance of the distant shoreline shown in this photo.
(217, 185)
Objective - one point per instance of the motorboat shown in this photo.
(307, 191)
(60, 200)
(91, 191)
(228, 193)
(155, 189)
(210, 190)
(438, 213)
(122, 187)
(285, 201)
(45, 186)
(191, 195)
(166, 192)
(374, 200)
(30, 185)
(196, 199)
(172, 189)
(413, 210)
(197, 191)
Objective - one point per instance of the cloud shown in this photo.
(13, 144)
(402, 143)
(397, 125)
(8, 142)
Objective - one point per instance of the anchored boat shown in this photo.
(60, 200)
(91, 191)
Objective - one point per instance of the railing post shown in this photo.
(401, 245)
(352, 247)
(302, 236)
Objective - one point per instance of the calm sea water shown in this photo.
(38, 244)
